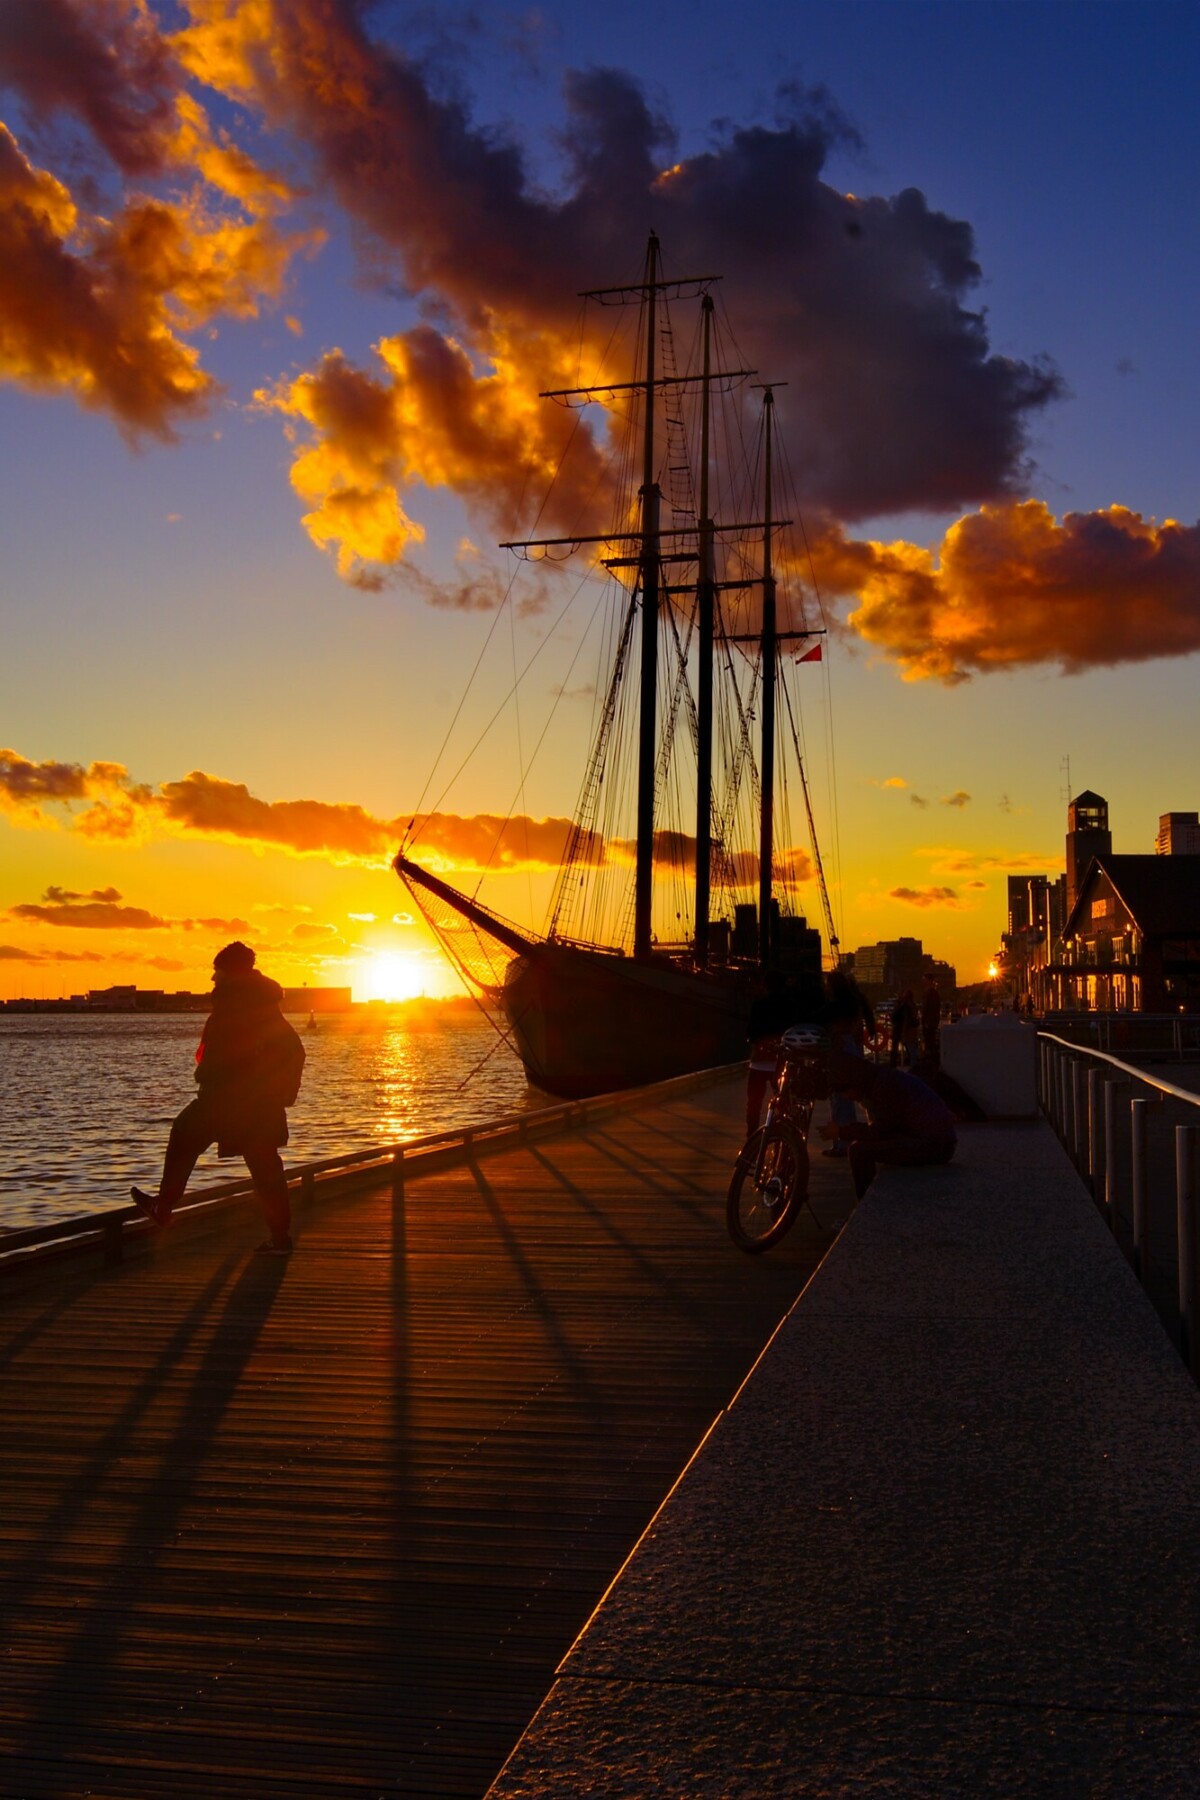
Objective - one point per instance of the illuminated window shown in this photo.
(1101, 909)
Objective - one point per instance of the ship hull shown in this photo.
(588, 1023)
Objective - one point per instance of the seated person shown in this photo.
(907, 1125)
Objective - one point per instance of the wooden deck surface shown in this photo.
(326, 1527)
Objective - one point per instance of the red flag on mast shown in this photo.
(813, 655)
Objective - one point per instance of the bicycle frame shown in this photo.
(791, 1099)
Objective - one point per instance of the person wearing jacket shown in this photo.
(908, 1124)
(248, 1068)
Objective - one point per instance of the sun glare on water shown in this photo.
(391, 975)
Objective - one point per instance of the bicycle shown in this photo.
(769, 1184)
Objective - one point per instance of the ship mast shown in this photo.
(766, 846)
(648, 559)
(706, 622)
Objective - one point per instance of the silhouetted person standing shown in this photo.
(905, 1027)
(850, 1021)
(248, 1069)
(931, 1020)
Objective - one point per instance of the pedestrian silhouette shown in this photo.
(248, 1068)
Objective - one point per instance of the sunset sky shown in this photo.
(279, 280)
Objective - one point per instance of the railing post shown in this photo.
(1185, 1231)
(1094, 1126)
(1110, 1149)
(1060, 1092)
(1137, 1134)
(1078, 1106)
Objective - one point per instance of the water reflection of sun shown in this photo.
(391, 975)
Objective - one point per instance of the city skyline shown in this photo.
(267, 345)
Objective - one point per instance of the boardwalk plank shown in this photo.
(327, 1527)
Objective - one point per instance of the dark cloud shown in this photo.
(927, 897)
(58, 896)
(677, 850)
(23, 782)
(104, 63)
(11, 953)
(896, 400)
(99, 911)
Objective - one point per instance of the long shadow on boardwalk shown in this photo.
(328, 1529)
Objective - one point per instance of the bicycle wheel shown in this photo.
(770, 1181)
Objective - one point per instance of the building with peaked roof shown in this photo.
(1132, 939)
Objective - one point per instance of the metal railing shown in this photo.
(1172, 1035)
(113, 1230)
(1135, 1140)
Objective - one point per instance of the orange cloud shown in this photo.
(122, 811)
(427, 417)
(101, 910)
(96, 306)
(99, 304)
(927, 897)
(948, 860)
(13, 953)
(1013, 587)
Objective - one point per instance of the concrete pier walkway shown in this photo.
(946, 1542)
(327, 1527)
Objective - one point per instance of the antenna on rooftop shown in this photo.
(1064, 793)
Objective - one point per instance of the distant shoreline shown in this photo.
(179, 1005)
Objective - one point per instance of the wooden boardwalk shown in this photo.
(326, 1527)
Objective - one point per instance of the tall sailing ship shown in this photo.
(708, 625)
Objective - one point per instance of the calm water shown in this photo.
(85, 1103)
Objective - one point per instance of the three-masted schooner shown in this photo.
(587, 1017)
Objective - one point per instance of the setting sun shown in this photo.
(391, 975)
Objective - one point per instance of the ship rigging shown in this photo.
(607, 995)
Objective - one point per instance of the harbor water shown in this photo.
(88, 1101)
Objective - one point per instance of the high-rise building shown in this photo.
(886, 969)
(1178, 834)
(1037, 904)
(1087, 836)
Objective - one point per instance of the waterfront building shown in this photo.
(1132, 939)
(1178, 834)
(316, 999)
